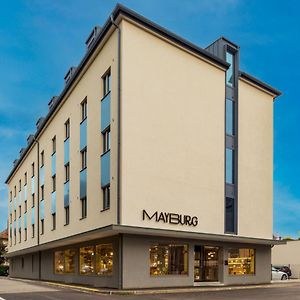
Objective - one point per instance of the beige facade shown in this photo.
(167, 156)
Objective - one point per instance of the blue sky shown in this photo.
(40, 40)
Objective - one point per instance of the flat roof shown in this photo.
(122, 10)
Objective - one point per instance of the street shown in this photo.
(11, 289)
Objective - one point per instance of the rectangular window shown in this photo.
(230, 70)
(53, 144)
(230, 216)
(106, 140)
(65, 261)
(15, 191)
(229, 117)
(20, 183)
(53, 183)
(106, 83)
(25, 206)
(83, 158)
(106, 197)
(42, 192)
(32, 169)
(169, 260)
(20, 236)
(20, 211)
(67, 215)
(104, 259)
(32, 200)
(42, 227)
(67, 129)
(86, 260)
(25, 178)
(15, 215)
(83, 109)
(25, 234)
(54, 221)
(229, 166)
(241, 261)
(67, 172)
(83, 208)
(10, 196)
(32, 230)
(42, 158)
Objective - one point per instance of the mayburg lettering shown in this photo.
(171, 218)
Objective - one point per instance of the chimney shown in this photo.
(39, 122)
(52, 102)
(92, 37)
(30, 139)
(69, 75)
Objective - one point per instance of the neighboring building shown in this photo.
(288, 255)
(153, 168)
(4, 242)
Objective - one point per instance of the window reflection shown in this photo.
(229, 117)
(229, 73)
(229, 166)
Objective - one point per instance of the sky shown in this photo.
(40, 40)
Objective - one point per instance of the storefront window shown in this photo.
(241, 261)
(104, 259)
(59, 262)
(169, 260)
(65, 261)
(70, 261)
(87, 255)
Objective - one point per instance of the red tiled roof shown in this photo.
(4, 235)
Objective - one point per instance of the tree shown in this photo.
(2, 252)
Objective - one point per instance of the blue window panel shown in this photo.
(15, 225)
(25, 192)
(53, 203)
(83, 184)
(32, 185)
(66, 194)
(67, 151)
(105, 112)
(83, 134)
(229, 117)
(19, 198)
(53, 164)
(25, 220)
(229, 73)
(105, 169)
(42, 210)
(10, 207)
(19, 223)
(32, 215)
(15, 203)
(229, 166)
(42, 175)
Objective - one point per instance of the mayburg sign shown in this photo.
(170, 218)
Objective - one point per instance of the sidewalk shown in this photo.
(107, 291)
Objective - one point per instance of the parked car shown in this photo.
(284, 269)
(279, 275)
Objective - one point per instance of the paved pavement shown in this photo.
(11, 289)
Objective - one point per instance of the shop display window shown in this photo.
(241, 261)
(104, 259)
(65, 261)
(87, 256)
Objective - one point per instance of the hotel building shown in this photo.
(152, 168)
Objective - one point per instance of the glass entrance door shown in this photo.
(206, 263)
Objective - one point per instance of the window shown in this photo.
(15, 215)
(25, 234)
(15, 191)
(54, 221)
(86, 260)
(10, 196)
(67, 129)
(104, 259)
(53, 183)
(20, 185)
(67, 215)
(83, 158)
(83, 109)
(42, 192)
(65, 261)
(83, 208)
(230, 71)
(230, 216)
(25, 178)
(20, 211)
(20, 235)
(229, 117)
(106, 197)
(25, 206)
(32, 169)
(42, 226)
(42, 158)
(106, 83)
(106, 140)
(241, 261)
(32, 200)
(169, 260)
(32, 230)
(67, 172)
(54, 145)
(229, 166)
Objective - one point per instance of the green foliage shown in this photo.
(3, 270)
(2, 252)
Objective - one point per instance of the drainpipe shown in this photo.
(119, 124)
(120, 242)
(38, 203)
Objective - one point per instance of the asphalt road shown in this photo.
(18, 290)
